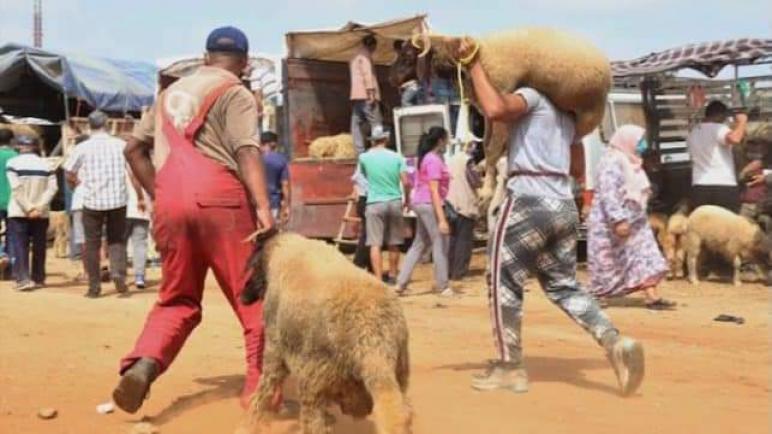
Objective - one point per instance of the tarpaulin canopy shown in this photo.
(262, 75)
(707, 57)
(341, 45)
(110, 85)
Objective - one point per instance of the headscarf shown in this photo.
(622, 148)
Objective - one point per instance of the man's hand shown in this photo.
(141, 205)
(265, 220)
(371, 97)
(444, 228)
(468, 50)
(756, 180)
(622, 229)
(585, 211)
(34, 214)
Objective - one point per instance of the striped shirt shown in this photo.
(101, 170)
(33, 185)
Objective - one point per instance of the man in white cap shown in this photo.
(384, 170)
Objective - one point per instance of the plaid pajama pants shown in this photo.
(537, 235)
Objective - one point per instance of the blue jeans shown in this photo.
(25, 232)
(4, 243)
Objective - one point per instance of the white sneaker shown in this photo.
(627, 359)
(448, 292)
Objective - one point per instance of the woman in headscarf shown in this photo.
(623, 253)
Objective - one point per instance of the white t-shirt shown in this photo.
(541, 142)
(712, 158)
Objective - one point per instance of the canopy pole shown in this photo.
(66, 107)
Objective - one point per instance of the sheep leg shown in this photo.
(273, 376)
(680, 258)
(738, 263)
(392, 412)
(314, 419)
(692, 246)
(495, 144)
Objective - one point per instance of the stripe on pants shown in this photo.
(498, 324)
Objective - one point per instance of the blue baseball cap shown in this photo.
(228, 39)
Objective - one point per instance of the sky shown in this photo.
(148, 30)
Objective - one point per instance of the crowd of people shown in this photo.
(209, 185)
(109, 212)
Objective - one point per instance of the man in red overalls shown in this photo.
(206, 177)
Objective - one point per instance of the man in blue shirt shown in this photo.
(277, 177)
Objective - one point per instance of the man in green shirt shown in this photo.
(6, 153)
(386, 174)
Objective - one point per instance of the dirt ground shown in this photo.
(61, 350)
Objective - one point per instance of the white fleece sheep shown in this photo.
(734, 237)
(569, 70)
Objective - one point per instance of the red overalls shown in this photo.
(202, 217)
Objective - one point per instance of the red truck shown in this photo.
(316, 87)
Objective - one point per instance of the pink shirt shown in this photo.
(363, 76)
(433, 168)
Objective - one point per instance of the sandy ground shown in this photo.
(61, 350)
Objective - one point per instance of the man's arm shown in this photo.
(138, 190)
(71, 167)
(736, 135)
(252, 174)
(71, 178)
(407, 187)
(18, 190)
(495, 105)
(364, 69)
(48, 194)
(137, 154)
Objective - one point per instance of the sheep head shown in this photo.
(422, 56)
(257, 284)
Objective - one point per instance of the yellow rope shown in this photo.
(462, 94)
(468, 59)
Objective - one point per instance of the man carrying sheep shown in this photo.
(536, 233)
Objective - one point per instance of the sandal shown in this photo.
(661, 304)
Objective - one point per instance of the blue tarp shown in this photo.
(110, 85)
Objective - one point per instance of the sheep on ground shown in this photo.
(734, 237)
(658, 224)
(337, 329)
(673, 244)
(59, 231)
(569, 70)
(339, 146)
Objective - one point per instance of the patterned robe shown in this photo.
(620, 266)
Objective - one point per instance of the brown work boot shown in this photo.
(135, 384)
(503, 376)
(626, 357)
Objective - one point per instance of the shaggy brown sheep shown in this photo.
(736, 238)
(337, 329)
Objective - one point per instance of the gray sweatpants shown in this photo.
(137, 232)
(363, 112)
(427, 237)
